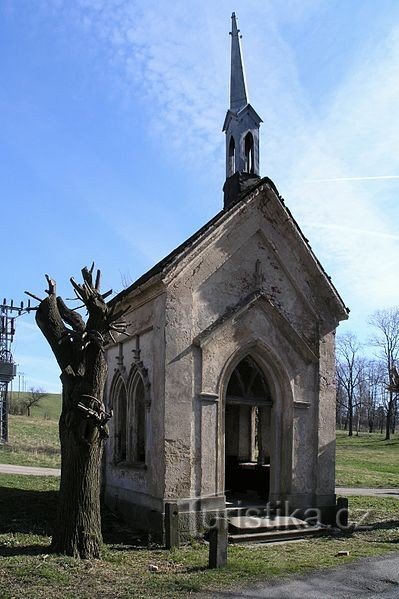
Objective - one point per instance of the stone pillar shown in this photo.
(218, 542)
(171, 525)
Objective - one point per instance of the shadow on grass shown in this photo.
(32, 550)
(385, 525)
(367, 528)
(117, 533)
(27, 511)
(33, 512)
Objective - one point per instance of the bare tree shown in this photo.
(375, 381)
(79, 349)
(32, 399)
(349, 373)
(386, 340)
(341, 406)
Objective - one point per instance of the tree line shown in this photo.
(367, 386)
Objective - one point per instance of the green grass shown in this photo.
(27, 506)
(32, 442)
(367, 460)
(49, 407)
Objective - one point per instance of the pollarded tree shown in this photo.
(79, 349)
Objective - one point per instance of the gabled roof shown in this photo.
(233, 114)
(267, 304)
(163, 266)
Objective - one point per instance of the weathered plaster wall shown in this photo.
(248, 253)
(126, 484)
(251, 286)
(326, 420)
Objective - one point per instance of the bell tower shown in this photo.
(241, 126)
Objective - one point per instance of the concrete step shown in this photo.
(277, 535)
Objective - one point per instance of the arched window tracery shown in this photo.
(130, 402)
(120, 418)
(138, 402)
(249, 153)
(232, 156)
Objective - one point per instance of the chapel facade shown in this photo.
(223, 388)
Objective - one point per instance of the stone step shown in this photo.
(277, 535)
(259, 524)
(255, 512)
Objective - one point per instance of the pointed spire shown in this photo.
(241, 126)
(238, 88)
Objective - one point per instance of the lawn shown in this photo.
(27, 508)
(32, 442)
(367, 460)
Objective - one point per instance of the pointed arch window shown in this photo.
(248, 404)
(130, 403)
(249, 153)
(120, 407)
(247, 383)
(138, 404)
(232, 156)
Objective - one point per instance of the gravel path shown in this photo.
(370, 578)
(371, 492)
(28, 470)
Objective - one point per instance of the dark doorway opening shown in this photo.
(247, 433)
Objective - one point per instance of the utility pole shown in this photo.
(8, 368)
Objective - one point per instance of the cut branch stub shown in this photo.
(52, 286)
(98, 281)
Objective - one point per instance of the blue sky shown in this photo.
(111, 144)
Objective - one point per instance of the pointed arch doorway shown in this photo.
(247, 433)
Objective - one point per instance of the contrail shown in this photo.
(352, 230)
(378, 178)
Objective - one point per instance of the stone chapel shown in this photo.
(223, 391)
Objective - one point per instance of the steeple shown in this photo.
(241, 126)
(238, 88)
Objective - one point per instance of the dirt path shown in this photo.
(28, 470)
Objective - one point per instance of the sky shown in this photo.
(111, 146)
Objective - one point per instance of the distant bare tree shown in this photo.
(386, 340)
(32, 398)
(374, 375)
(350, 366)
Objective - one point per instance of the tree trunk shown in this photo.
(388, 427)
(78, 526)
(350, 418)
(389, 417)
(394, 411)
(79, 351)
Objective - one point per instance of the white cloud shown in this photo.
(174, 57)
(351, 222)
